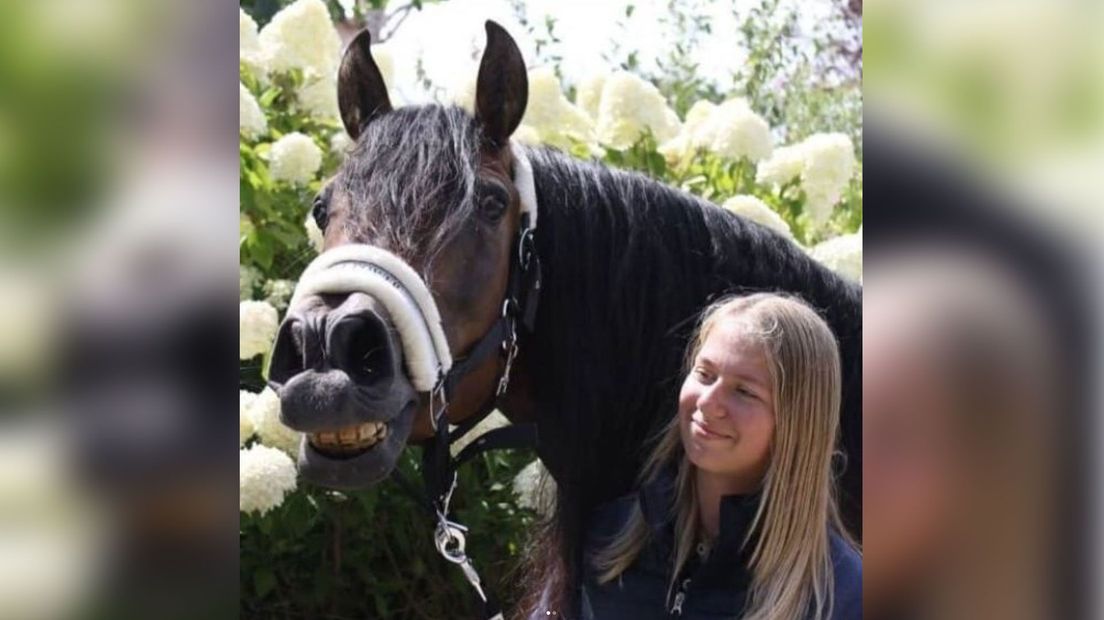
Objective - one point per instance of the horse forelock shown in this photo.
(410, 180)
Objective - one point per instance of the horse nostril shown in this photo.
(288, 354)
(361, 345)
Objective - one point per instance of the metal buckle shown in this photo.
(525, 249)
(509, 346)
(438, 395)
(511, 353)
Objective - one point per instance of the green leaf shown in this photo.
(263, 254)
(264, 581)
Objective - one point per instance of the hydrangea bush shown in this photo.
(312, 552)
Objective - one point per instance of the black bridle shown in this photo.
(439, 467)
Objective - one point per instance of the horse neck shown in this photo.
(628, 265)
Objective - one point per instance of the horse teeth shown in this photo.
(359, 437)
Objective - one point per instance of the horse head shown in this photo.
(431, 190)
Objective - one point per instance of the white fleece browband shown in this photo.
(391, 281)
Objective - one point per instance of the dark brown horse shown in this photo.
(627, 265)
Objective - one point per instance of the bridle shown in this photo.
(362, 268)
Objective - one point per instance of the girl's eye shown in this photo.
(321, 213)
(746, 393)
(703, 375)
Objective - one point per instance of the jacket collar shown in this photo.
(657, 504)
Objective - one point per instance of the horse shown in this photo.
(627, 264)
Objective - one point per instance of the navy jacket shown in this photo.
(716, 587)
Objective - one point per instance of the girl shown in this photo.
(736, 517)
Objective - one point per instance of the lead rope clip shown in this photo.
(510, 347)
(450, 540)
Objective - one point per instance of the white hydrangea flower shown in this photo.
(249, 45)
(783, 166)
(265, 414)
(824, 163)
(588, 94)
(734, 131)
(630, 106)
(829, 165)
(257, 324)
(555, 119)
(314, 233)
(265, 477)
(534, 488)
(248, 279)
(842, 255)
(525, 134)
(462, 90)
(341, 143)
(251, 119)
(278, 292)
(491, 422)
(318, 97)
(245, 420)
(385, 60)
(687, 142)
(302, 36)
(731, 130)
(294, 158)
(758, 211)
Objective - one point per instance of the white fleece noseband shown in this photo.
(391, 281)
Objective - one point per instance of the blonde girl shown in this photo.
(736, 516)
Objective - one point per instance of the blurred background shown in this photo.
(117, 186)
(985, 143)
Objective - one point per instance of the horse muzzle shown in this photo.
(337, 366)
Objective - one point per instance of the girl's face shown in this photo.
(726, 409)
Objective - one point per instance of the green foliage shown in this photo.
(370, 553)
(272, 237)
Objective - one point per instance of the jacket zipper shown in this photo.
(680, 598)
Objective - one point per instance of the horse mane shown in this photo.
(405, 160)
(628, 265)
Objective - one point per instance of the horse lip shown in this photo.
(357, 406)
(358, 470)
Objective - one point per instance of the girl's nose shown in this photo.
(710, 403)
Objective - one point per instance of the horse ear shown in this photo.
(361, 91)
(502, 90)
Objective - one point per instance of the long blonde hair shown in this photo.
(790, 563)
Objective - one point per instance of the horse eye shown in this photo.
(492, 205)
(321, 213)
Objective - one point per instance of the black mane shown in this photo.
(629, 264)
